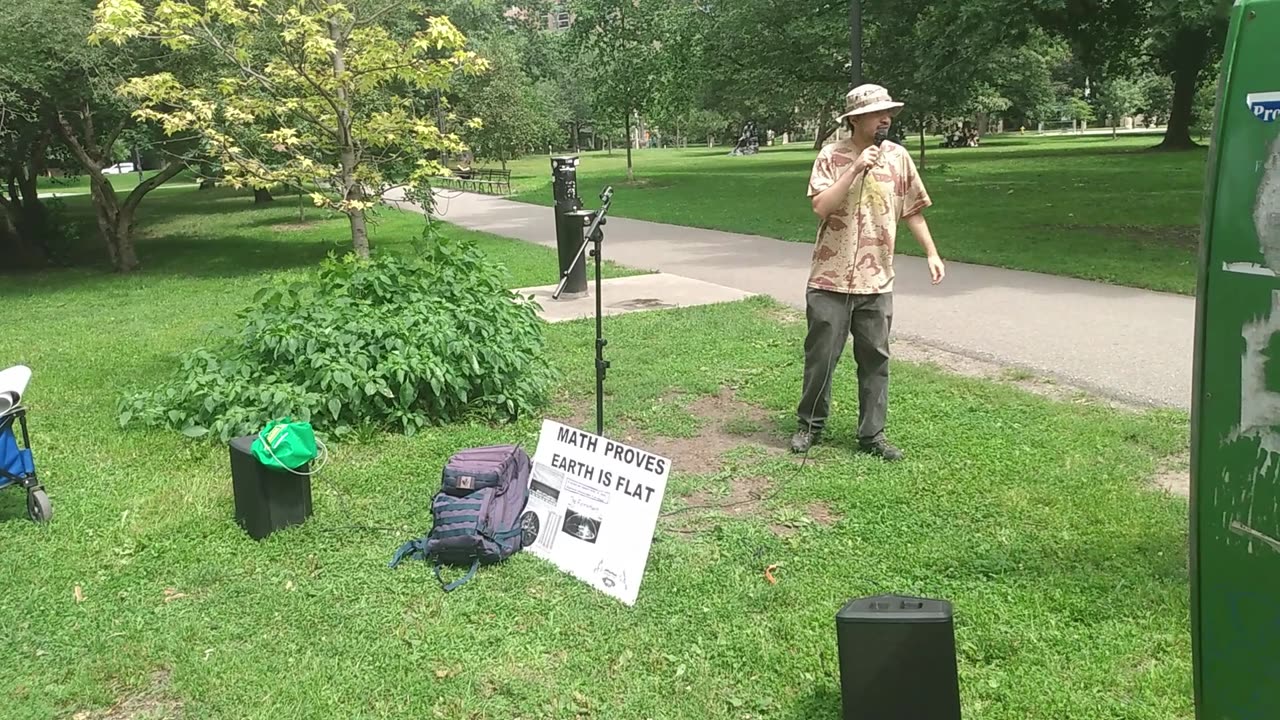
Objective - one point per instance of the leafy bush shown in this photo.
(390, 343)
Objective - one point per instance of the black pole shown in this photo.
(594, 235)
(602, 365)
(564, 172)
(855, 41)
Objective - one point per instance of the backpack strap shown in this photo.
(475, 565)
(413, 548)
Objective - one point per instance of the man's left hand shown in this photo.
(937, 270)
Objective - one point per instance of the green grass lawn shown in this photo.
(1068, 574)
(1084, 206)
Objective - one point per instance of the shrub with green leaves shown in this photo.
(388, 343)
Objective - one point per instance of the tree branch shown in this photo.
(115, 135)
(89, 143)
(151, 183)
(375, 16)
(265, 82)
(302, 73)
(86, 160)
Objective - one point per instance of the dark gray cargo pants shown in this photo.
(832, 318)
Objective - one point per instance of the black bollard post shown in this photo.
(564, 172)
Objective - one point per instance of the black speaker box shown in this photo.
(897, 659)
(267, 499)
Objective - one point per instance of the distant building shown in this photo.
(559, 19)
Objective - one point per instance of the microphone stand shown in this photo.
(593, 220)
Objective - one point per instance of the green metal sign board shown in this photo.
(1235, 463)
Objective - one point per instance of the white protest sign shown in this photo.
(593, 506)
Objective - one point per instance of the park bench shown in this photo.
(481, 179)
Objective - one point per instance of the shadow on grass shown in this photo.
(822, 703)
(234, 256)
(13, 506)
(202, 257)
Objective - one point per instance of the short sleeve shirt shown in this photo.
(855, 244)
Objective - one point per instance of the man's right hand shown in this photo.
(867, 159)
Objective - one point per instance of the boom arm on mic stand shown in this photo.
(593, 220)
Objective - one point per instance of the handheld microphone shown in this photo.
(882, 134)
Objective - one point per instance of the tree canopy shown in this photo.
(324, 96)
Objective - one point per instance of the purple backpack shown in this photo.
(476, 514)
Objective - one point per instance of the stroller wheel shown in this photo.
(38, 506)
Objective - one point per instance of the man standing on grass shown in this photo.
(860, 189)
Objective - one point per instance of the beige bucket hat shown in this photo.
(867, 99)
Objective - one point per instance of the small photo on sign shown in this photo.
(545, 492)
(529, 528)
(581, 527)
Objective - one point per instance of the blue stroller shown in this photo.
(16, 465)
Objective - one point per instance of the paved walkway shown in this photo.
(1129, 344)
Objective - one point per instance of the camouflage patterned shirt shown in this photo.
(854, 249)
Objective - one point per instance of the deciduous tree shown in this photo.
(325, 94)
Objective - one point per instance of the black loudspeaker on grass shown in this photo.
(267, 499)
(897, 659)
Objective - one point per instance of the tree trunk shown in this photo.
(855, 42)
(922, 130)
(353, 191)
(104, 207)
(359, 235)
(207, 180)
(1190, 50)
(26, 216)
(16, 240)
(115, 219)
(126, 254)
(630, 174)
(262, 196)
(115, 226)
(824, 132)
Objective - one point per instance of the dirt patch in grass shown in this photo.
(785, 315)
(727, 424)
(148, 703)
(1174, 475)
(293, 226)
(745, 497)
(821, 514)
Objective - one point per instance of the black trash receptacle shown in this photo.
(897, 659)
(267, 499)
